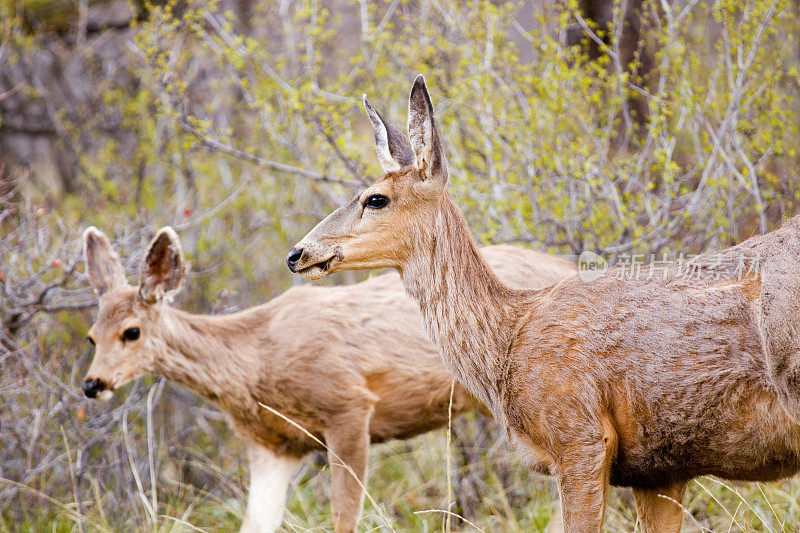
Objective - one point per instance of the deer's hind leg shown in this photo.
(660, 510)
(348, 447)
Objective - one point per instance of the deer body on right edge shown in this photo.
(644, 383)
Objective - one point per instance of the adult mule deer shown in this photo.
(644, 382)
(352, 365)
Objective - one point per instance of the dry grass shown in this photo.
(408, 480)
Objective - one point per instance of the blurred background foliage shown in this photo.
(638, 126)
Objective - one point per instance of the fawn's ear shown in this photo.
(393, 148)
(163, 268)
(425, 141)
(102, 262)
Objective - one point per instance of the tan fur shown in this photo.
(352, 365)
(643, 382)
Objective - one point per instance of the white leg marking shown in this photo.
(270, 476)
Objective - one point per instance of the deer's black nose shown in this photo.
(293, 258)
(91, 387)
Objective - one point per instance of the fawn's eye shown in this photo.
(376, 201)
(91, 340)
(130, 334)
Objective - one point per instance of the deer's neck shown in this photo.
(207, 353)
(468, 311)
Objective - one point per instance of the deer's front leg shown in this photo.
(348, 444)
(583, 478)
(583, 500)
(270, 477)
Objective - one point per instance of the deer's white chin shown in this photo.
(106, 395)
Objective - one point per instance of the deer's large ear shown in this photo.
(393, 148)
(163, 268)
(102, 262)
(425, 140)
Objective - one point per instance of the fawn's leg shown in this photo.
(270, 476)
(348, 443)
(660, 510)
(556, 523)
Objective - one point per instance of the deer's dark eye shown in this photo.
(91, 340)
(130, 334)
(376, 201)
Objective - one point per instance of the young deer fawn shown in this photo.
(352, 365)
(643, 382)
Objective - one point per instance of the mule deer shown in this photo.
(352, 365)
(643, 382)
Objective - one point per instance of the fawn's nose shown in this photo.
(91, 387)
(293, 258)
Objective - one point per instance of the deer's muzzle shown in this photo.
(303, 262)
(92, 387)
